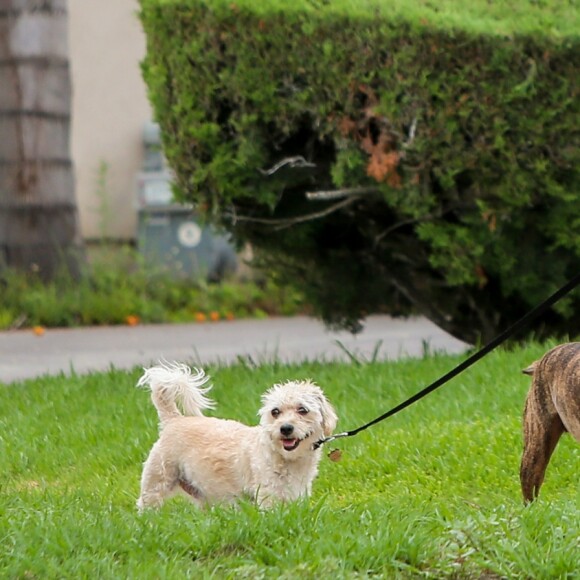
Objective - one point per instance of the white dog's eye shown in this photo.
(302, 411)
(275, 412)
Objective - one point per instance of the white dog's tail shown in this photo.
(170, 383)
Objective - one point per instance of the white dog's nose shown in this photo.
(287, 429)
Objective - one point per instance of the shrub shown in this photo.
(115, 288)
(448, 134)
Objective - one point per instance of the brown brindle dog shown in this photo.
(552, 408)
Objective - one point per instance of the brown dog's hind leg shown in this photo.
(569, 410)
(541, 435)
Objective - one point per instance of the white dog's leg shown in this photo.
(158, 482)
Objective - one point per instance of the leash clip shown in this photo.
(321, 442)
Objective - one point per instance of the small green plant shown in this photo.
(103, 209)
(116, 288)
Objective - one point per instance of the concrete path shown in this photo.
(24, 355)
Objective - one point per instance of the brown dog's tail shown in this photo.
(172, 383)
(531, 369)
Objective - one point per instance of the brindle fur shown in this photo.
(552, 408)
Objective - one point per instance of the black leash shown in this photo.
(501, 338)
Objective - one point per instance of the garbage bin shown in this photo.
(171, 237)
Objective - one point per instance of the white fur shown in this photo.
(217, 460)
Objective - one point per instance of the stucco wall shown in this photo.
(109, 109)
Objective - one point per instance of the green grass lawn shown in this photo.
(432, 492)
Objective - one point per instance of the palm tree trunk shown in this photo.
(38, 214)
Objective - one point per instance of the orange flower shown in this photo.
(200, 317)
(38, 330)
(132, 320)
(214, 315)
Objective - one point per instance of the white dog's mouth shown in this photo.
(290, 444)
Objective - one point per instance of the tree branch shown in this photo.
(412, 131)
(282, 223)
(297, 161)
(340, 193)
(398, 225)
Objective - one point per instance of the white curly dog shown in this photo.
(218, 460)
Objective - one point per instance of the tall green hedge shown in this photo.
(448, 133)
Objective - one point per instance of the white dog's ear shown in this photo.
(329, 417)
